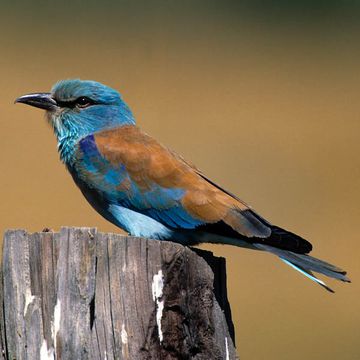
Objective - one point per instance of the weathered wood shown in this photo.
(80, 294)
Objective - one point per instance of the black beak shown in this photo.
(41, 100)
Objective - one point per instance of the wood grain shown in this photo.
(81, 294)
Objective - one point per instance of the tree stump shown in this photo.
(82, 294)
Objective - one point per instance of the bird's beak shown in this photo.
(40, 100)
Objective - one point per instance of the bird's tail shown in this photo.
(307, 264)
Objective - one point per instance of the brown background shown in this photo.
(264, 98)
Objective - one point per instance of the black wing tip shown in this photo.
(286, 240)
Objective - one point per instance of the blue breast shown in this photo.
(98, 172)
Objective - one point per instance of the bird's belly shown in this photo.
(137, 224)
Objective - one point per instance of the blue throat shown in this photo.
(66, 148)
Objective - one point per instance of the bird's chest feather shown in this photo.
(116, 184)
(92, 168)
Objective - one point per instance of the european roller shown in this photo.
(147, 189)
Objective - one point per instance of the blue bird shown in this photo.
(148, 190)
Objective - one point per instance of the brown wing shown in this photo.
(152, 166)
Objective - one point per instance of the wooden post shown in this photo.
(81, 294)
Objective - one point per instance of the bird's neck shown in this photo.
(66, 147)
(72, 126)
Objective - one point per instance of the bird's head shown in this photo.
(77, 108)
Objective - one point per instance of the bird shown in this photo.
(150, 191)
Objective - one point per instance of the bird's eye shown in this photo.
(83, 102)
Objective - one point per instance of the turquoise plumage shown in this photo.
(147, 189)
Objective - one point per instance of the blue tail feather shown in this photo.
(307, 264)
(308, 274)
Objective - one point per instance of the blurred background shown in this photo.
(263, 96)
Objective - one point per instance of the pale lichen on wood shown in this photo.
(81, 294)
